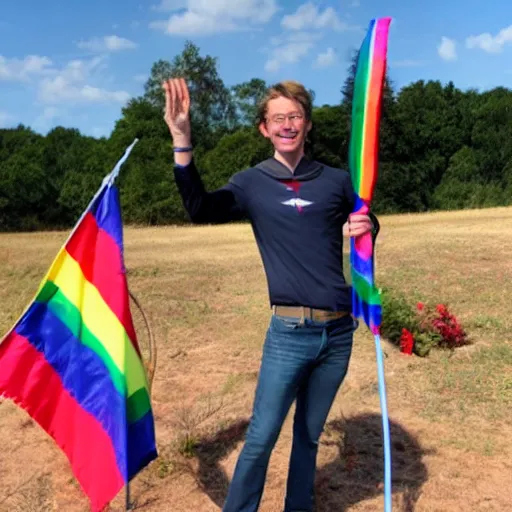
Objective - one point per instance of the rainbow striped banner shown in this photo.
(72, 360)
(363, 163)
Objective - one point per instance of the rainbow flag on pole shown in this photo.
(72, 360)
(363, 163)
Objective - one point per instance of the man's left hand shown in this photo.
(357, 225)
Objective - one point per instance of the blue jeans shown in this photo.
(306, 362)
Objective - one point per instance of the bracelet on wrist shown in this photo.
(182, 149)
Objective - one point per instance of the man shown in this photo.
(297, 208)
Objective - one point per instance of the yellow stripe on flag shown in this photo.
(99, 319)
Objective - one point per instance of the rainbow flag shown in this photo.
(363, 163)
(72, 360)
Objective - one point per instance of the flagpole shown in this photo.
(128, 505)
(107, 181)
(385, 424)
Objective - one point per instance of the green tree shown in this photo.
(161, 70)
(234, 152)
(149, 194)
(430, 131)
(148, 191)
(81, 181)
(212, 110)
(65, 154)
(246, 97)
(24, 194)
(23, 184)
(330, 135)
(492, 134)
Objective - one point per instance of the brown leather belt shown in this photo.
(320, 315)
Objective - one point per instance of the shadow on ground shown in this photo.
(210, 451)
(355, 475)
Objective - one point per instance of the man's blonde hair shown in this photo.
(287, 89)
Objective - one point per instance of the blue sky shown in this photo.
(76, 64)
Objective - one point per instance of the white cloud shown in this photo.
(71, 85)
(22, 70)
(207, 17)
(355, 3)
(81, 70)
(193, 23)
(140, 78)
(446, 49)
(74, 83)
(5, 119)
(107, 44)
(289, 50)
(60, 90)
(489, 43)
(325, 59)
(309, 16)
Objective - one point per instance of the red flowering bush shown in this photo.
(417, 330)
(452, 333)
(406, 342)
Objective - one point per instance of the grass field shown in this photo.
(205, 293)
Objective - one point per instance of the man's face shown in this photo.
(285, 125)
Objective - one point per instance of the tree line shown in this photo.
(441, 148)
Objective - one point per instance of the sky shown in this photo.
(76, 64)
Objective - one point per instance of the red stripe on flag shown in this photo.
(29, 380)
(100, 259)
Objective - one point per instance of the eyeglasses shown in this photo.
(281, 118)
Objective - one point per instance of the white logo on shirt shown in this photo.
(297, 202)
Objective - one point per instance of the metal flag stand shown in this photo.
(149, 356)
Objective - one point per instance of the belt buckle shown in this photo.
(323, 316)
(326, 316)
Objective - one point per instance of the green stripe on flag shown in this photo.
(137, 405)
(370, 294)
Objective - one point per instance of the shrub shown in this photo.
(419, 329)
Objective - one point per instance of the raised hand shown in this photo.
(177, 110)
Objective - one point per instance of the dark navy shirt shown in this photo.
(297, 222)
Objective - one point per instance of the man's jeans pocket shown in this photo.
(285, 323)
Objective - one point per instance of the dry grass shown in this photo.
(205, 293)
